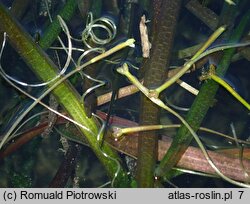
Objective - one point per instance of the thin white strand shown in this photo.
(175, 106)
(241, 151)
(69, 52)
(73, 48)
(15, 134)
(99, 140)
(105, 23)
(101, 83)
(97, 49)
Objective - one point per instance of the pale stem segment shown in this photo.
(118, 132)
(188, 65)
(230, 89)
(209, 41)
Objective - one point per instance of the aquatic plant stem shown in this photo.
(64, 92)
(230, 89)
(199, 108)
(118, 132)
(153, 70)
(187, 66)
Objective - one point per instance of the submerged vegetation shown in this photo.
(73, 74)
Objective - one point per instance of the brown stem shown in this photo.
(164, 23)
(206, 15)
(66, 168)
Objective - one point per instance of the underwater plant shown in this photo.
(84, 54)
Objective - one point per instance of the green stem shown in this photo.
(52, 31)
(66, 95)
(200, 107)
